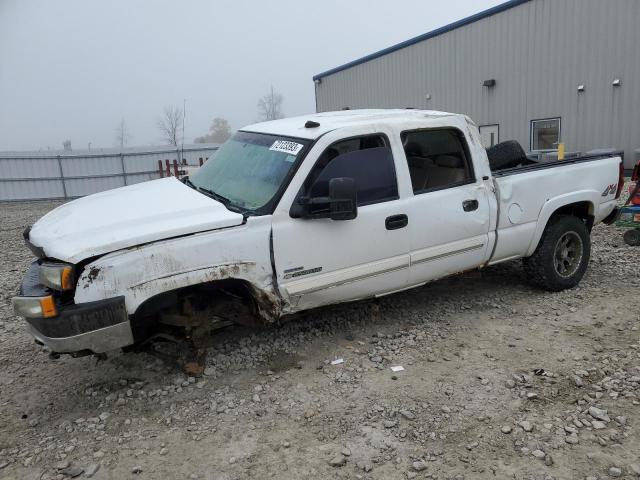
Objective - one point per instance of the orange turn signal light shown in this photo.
(66, 278)
(48, 307)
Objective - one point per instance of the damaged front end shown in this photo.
(46, 302)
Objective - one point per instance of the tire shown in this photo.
(506, 155)
(562, 256)
(632, 237)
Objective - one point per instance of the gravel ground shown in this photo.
(500, 381)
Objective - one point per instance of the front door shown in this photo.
(449, 209)
(321, 261)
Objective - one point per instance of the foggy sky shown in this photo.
(71, 69)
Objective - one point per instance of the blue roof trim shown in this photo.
(425, 36)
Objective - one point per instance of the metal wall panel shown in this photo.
(29, 167)
(42, 176)
(538, 53)
(79, 187)
(31, 189)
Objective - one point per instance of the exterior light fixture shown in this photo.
(317, 81)
(489, 83)
(427, 97)
(617, 82)
(580, 88)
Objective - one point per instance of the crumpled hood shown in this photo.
(126, 217)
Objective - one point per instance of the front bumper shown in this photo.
(96, 327)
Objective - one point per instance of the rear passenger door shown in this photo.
(449, 211)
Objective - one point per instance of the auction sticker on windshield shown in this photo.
(292, 148)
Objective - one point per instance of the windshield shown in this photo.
(249, 169)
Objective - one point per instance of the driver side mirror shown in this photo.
(341, 204)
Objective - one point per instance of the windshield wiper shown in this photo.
(216, 196)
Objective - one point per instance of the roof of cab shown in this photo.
(295, 126)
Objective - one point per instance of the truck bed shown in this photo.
(532, 165)
(527, 195)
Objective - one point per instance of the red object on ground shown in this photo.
(160, 168)
(200, 161)
(175, 168)
(635, 177)
(166, 162)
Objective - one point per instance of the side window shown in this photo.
(368, 160)
(437, 159)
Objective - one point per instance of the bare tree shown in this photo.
(219, 132)
(170, 124)
(270, 106)
(122, 134)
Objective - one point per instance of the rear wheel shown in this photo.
(562, 256)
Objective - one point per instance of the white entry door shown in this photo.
(489, 135)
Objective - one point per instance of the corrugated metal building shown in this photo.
(537, 71)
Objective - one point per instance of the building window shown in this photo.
(545, 134)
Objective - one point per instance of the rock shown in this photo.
(389, 424)
(578, 381)
(532, 395)
(309, 412)
(506, 429)
(407, 414)
(72, 472)
(419, 466)
(510, 383)
(338, 461)
(538, 454)
(103, 416)
(98, 454)
(599, 414)
(346, 452)
(3, 465)
(572, 439)
(61, 465)
(91, 470)
(548, 460)
(615, 472)
(164, 451)
(635, 469)
(598, 425)
(445, 409)
(526, 426)
(136, 470)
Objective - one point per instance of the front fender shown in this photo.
(552, 205)
(143, 272)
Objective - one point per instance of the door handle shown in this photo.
(470, 205)
(394, 222)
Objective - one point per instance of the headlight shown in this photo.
(35, 307)
(57, 277)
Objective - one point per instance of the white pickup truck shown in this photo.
(298, 213)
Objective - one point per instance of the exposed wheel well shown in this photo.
(582, 210)
(233, 299)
